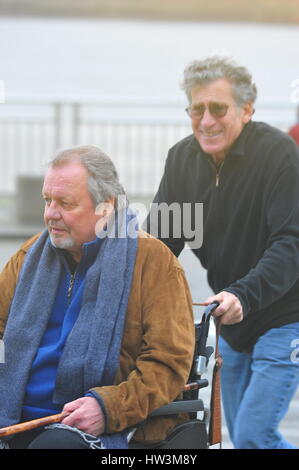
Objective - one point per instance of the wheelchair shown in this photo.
(193, 433)
(197, 432)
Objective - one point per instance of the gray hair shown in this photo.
(203, 72)
(103, 182)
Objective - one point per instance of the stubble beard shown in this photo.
(59, 241)
(65, 244)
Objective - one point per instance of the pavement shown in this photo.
(13, 233)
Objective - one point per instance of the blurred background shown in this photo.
(107, 72)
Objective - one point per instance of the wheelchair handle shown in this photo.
(209, 310)
(205, 325)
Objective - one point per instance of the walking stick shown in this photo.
(35, 423)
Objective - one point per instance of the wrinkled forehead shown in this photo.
(217, 91)
(70, 177)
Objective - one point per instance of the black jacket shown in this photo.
(250, 224)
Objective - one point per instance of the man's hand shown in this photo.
(230, 309)
(85, 414)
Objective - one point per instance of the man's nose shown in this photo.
(207, 119)
(52, 211)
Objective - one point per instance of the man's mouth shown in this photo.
(56, 229)
(211, 134)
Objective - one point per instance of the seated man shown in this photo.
(96, 318)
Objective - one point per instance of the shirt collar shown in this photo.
(91, 249)
(239, 146)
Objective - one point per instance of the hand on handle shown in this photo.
(230, 309)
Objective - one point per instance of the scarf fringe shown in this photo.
(94, 442)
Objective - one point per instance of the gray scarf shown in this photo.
(91, 354)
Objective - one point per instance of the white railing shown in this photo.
(135, 132)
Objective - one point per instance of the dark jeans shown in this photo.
(48, 439)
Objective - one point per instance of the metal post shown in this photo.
(75, 107)
(57, 124)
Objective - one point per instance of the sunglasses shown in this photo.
(217, 110)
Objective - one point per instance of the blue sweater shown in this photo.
(41, 382)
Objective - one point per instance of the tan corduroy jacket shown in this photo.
(158, 341)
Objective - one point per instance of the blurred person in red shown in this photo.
(294, 131)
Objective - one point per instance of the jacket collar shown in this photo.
(239, 146)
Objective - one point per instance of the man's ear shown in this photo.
(103, 212)
(105, 209)
(248, 111)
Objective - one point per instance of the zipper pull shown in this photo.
(71, 285)
(218, 171)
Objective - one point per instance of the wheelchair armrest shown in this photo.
(176, 407)
(181, 406)
(201, 383)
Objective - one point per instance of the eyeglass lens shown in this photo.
(215, 109)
